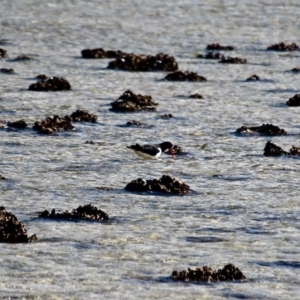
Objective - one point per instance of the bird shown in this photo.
(152, 151)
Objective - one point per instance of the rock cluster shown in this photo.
(184, 76)
(129, 102)
(211, 55)
(217, 46)
(11, 230)
(101, 53)
(294, 101)
(233, 60)
(274, 150)
(51, 84)
(264, 129)
(134, 62)
(21, 124)
(86, 212)
(165, 184)
(206, 274)
(54, 124)
(283, 47)
(83, 116)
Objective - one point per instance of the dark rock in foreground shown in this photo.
(51, 84)
(233, 60)
(294, 101)
(3, 53)
(184, 76)
(83, 116)
(11, 230)
(283, 47)
(211, 55)
(274, 150)
(129, 102)
(21, 124)
(133, 62)
(101, 53)
(165, 184)
(253, 77)
(54, 124)
(265, 129)
(87, 212)
(217, 46)
(7, 71)
(206, 274)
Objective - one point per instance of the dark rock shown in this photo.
(196, 96)
(87, 212)
(184, 76)
(83, 116)
(7, 71)
(11, 230)
(253, 77)
(283, 47)
(129, 102)
(167, 116)
(211, 55)
(101, 53)
(294, 101)
(2, 177)
(133, 62)
(295, 70)
(22, 57)
(21, 124)
(265, 129)
(51, 125)
(90, 142)
(165, 184)
(219, 47)
(134, 123)
(51, 84)
(273, 150)
(3, 53)
(206, 274)
(233, 60)
(42, 77)
(295, 150)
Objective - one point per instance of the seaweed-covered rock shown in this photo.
(3, 53)
(253, 77)
(196, 96)
(11, 230)
(83, 116)
(206, 274)
(165, 184)
(184, 76)
(101, 53)
(211, 55)
(51, 125)
(294, 101)
(7, 71)
(219, 47)
(274, 150)
(21, 124)
(283, 47)
(86, 212)
(233, 60)
(133, 62)
(129, 102)
(51, 84)
(265, 129)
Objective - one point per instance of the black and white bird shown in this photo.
(152, 151)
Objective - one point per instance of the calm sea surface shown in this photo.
(244, 208)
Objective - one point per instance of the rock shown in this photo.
(101, 53)
(253, 77)
(264, 129)
(3, 53)
(42, 77)
(295, 70)
(206, 274)
(165, 184)
(87, 212)
(22, 57)
(7, 71)
(11, 230)
(211, 55)
(134, 123)
(129, 102)
(283, 47)
(294, 101)
(184, 76)
(167, 116)
(273, 150)
(2, 177)
(83, 116)
(51, 84)
(196, 96)
(219, 47)
(133, 62)
(233, 60)
(54, 124)
(21, 124)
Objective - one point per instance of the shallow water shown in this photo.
(244, 207)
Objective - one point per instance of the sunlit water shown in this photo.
(244, 207)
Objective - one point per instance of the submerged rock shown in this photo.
(274, 150)
(184, 76)
(134, 62)
(167, 116)
(264, 129)
(129, 102)
(253, 77)
(87, 212)
(101, 53)
(206, 274)
(211, 55)
(283, 47)
(134, 123)
(196, 96)
(21, 124)
(54, 124)
(83, 116)
(165, 184)
(7, 71)
(217, 46)
(294, 101)
(233, 60)
(295, 70)
(11, 230)
(51, 84)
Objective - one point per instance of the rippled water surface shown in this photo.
(244, 207)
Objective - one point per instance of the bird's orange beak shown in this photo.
(171, 152)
